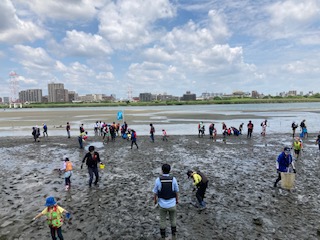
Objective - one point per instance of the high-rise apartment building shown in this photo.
(31, 95)
(52, 93)
(61, 95)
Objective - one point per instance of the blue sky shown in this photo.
(161, 46)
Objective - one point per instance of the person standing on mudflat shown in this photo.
(92, 159)
(250, 129)
(133, 138)
(166, 195)
(68, 129)
(152, 131)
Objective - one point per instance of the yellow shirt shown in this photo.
(60, 210)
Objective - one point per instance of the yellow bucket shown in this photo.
(101, 166)
(287, 180)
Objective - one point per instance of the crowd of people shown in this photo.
(166, 187)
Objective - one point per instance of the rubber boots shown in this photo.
(173, 232)
(163, 233)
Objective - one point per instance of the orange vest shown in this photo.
(68, 166)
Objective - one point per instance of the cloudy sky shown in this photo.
(161, 46)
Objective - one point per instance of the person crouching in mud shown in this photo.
(200, 181)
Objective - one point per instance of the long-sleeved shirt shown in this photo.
(92, 160)
(283, 162)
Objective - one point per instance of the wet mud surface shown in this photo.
(241, 200)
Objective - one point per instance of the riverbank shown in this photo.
(241, 200)
(218, 100)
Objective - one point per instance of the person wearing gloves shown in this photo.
(54, 215)
(166, 195)
(92, 159)
(283, 163)
(200, 181)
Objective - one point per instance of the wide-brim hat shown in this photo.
(50, 201)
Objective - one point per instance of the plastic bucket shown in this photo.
(101, 166)
(287, 180)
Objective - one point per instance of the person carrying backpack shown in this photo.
(200, 181)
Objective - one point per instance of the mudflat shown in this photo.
(241, 200)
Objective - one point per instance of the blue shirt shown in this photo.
(284, 162)
(166, 203)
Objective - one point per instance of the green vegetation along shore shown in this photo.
(164, 103)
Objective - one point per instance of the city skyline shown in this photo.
(168, 46)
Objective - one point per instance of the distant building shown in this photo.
(6, 99)
(52, 93)
(91, 98)
(188, 96)
(255, 94)
(145, 97)
(163, 97)
(72, 96)
(292, 93)
(31, 95)
(0, 100)
(110, 98)
(205, 96)
(45, 99)
(61, 95)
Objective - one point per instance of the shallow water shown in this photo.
(173, 118)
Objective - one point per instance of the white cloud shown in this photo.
(15, 30)
(33, 59)
(82, 44)
(288, 19)
(148, 75)
(302, 67)
(128, 24)
(59, 10)
(293, 12)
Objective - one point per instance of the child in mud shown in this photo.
(297, 147)
(164, 135)
(67, 168)
(54, 215)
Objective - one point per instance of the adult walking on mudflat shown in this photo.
(166, 195)
(92, 159)
(283, 163)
